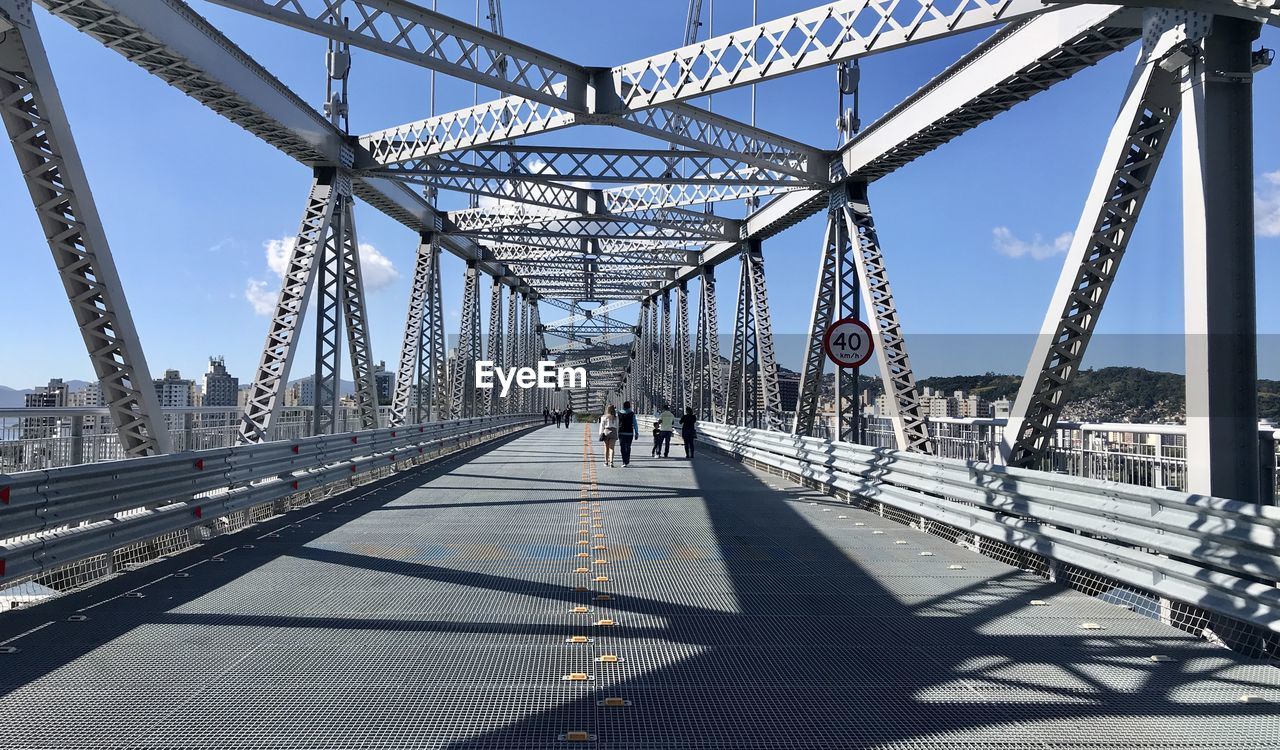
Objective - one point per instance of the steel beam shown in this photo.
(1218, 262)
(282, 334)
(46, 152)
(411, 349)
(1133, 152)
(905, 412)
(355, 321)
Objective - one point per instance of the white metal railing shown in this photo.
(1217, 554)
(1149, 455)
(67, 436)
(53, 517)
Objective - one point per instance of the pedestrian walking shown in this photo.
(665, 422)
(546, 415)
(555, 417)
(568, 414)
(688, 432)
(628, 430)
(609, 433)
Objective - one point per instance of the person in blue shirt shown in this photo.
(628, 430)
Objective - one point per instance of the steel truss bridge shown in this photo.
(453, 573)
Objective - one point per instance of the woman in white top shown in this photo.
(609, 433)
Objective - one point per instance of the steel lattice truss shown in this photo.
(564, 226)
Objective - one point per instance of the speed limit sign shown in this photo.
(848, 342)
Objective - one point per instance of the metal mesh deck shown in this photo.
(432, 610)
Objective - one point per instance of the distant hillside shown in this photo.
(1111, 394)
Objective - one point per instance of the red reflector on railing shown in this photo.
(295, 449)
(353, 469)
(393, 433)
(4, 495)
(393, 457)
(1, 567)
(420, 450)
(422, 429)
(295, 484)
(353, 438)
(199, 464)
(198, 512)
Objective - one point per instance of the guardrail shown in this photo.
(51, 518)
(1216, 554)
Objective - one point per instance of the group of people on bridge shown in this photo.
(621, 427)
(557, 417)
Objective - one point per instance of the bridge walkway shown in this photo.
(438, 608)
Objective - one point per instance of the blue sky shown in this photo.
(191, 202)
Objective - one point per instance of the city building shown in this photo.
(789, 390)
(220, 388)
(1001, 409)
(383, 383)
(51, 396)
(174, 391)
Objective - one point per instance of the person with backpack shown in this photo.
(628, 430)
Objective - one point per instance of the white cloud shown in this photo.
(1006, 243)
(261, 296)
(376, 269)
(278, 252)
(1266, 205)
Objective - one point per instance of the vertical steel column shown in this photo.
(328, 321)
(847, 382)
(492, 397)
(766, 370)
(355, 320)
(540, 395)
(282, 335)
(710, 375)
(909, 426)
(655, 353)
(411, 347)
(437, 383)
(815, 354)
(682, 371)
(465, 356)
(639, 360)
(1148, 112)
(740, 364)
(512, 403)
(33, 115)
(666, 360)
(1218, 246)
